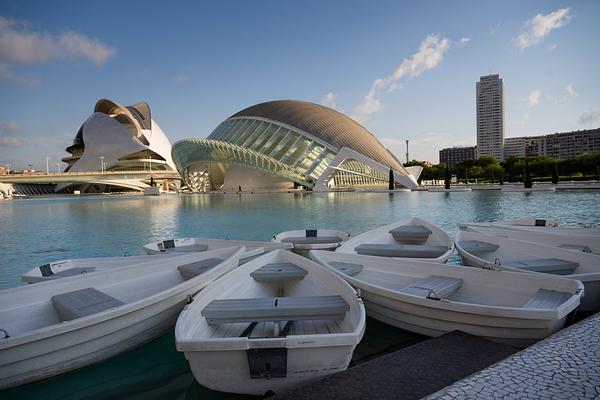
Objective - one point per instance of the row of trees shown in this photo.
(515, 169)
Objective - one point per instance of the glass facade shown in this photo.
(278, 149)
(307, 156)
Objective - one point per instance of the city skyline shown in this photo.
(406, 73)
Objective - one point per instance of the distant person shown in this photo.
(239, 188)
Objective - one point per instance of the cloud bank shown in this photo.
(541, 25)
(430, 54)
(20, 45)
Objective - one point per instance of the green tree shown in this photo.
(527, 174)
(447, 178)
(555, 177)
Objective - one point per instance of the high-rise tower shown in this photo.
(490, 117)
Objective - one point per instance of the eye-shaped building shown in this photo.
(284, 144)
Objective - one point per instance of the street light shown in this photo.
(101, 163)
(47, 165)
(58, 166)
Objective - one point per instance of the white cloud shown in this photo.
(20, 45)
(522, 120)
(533, 99)
(540, 26)
(590, 117)
(9, 134)
(329, 100)
(430, 54)
(464, 40)
(570, 91)
(181, 78)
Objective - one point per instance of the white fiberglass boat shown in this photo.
(64, 324)
(80, 266)
(587, 244)
(412, 238)
(272, 324)
(539, 226)
(478, 249)
(431, 299)
(312, 239)
(187, 245)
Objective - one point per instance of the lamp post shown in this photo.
(101, 163)
(58, 167)
(47, 165)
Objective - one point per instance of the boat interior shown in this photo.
(530, 257)
(278, 295)
(42, 305)
(456, 284)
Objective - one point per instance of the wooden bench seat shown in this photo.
(412, 234)
(554, 266)
(191, 270)
(547, 299)
(275, 309)
(476, 246)
(312, 240)
(278, 272)
(401, 250)
(82, 302)
(435, 287)
(347, 268)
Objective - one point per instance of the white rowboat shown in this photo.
(64, 324)
(412, 238)
(587, 244)
(431, 299)
(187, 245)
(80, 266)
(274, 323)
(303, 241)
(478, 249)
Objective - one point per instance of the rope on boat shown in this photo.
(6, 335)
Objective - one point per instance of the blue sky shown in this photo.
(406, 71)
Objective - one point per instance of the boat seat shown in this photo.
(73, 272)
(188, 271)
(188, 248)
(476, 246)
(435, 287)
(168, 244)
(548, 299)
(401, 250)
(83, 302)
(312, 240)
(577, 247)
(275, 309)
(413, 234)
(554, 266)
(349, 269)
(278, 272)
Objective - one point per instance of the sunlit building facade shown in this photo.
(285, 144)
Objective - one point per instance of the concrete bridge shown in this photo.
(135, 180)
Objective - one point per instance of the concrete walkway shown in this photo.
(563, 366)
(410, 373)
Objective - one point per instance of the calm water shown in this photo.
(36, 231)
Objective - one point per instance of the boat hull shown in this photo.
(228, 371)
(430, 321)
(58, 353)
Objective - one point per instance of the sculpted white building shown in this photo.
(120, 138)
(285, 144)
